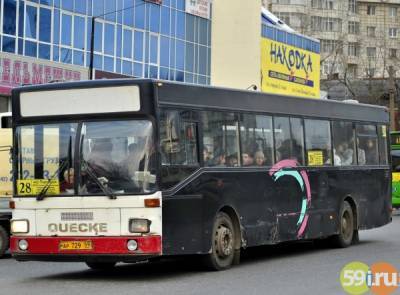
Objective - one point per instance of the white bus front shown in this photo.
(85, 189)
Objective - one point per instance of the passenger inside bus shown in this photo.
(260, 158)
(206, 155)
(361, 154)
(247, 158)
(345, 154)
(232, 161)
(337, 161)
(283, 152)
(220, 160)
(67, 185)
(371, 152)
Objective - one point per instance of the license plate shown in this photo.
(76, 245)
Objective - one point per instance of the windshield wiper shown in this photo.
(5, 148)
(44, 190)
(107, 191)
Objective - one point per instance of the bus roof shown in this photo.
(217, 98)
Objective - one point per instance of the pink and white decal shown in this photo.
(288, 168)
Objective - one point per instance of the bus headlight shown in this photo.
(19, 226)
(132, 245)
(23, 245)
(141, 226)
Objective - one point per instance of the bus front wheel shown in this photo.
(101, 265)
(346, 227)
(4, 240)
(223, 238)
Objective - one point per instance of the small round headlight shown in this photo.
(23, 245)
(132, 245)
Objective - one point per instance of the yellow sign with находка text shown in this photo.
(289, 70)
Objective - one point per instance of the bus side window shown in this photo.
(289, 141)
(178, 139)
(297, 131)
(318, 142)
(257, 139)
(220, 139)
(367, 145)
(282, 138)
(383, 148)
(343, 144)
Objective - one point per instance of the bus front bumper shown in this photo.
(101, 248)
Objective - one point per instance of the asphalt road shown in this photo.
(299, 268)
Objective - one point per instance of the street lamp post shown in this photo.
(91, 64)
(92, 49)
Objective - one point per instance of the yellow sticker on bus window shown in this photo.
(396, 176)
(315, 158)
(31, 187)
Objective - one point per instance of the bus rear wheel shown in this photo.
(223, 238)
(101, 265)
(4, 241)
(346, 227)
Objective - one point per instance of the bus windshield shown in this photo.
(115, 157)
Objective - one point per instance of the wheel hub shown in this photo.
(224, 241)
(346, 225)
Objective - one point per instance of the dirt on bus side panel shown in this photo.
(273, 207)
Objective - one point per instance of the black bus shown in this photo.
(124, 170)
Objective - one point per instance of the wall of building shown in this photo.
(142, 39)
(236, 44)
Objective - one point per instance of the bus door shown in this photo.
(292, 195)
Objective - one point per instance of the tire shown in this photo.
(347, 228)
(4, 241)
(223, 254)
(101, 265)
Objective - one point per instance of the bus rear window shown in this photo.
(383, 148)
(367, 143)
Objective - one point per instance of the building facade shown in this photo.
(235, 53)
(161, 39)
(359, 38)
(251, 49)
